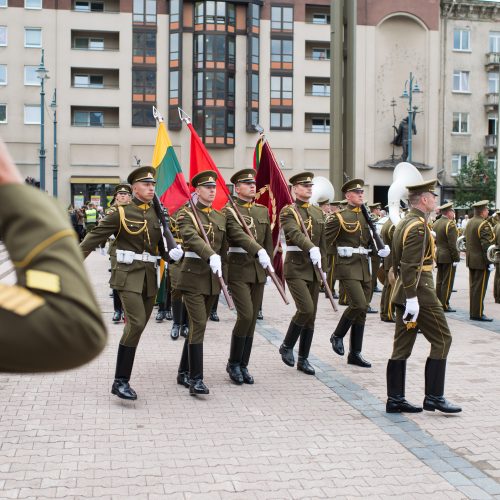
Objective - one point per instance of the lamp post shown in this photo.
(42, 75)
(53, 105)
(411, 87)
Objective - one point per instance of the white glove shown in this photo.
(491, 268)
(264, 259)
(455, 264)
(176, 253)
(411, 310)
(216, 265)
(268, 280)
(315, 256)
(384, 252)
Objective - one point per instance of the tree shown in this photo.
(476, 181)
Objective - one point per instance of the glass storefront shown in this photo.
(99, 193)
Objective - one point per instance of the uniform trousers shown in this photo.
(330, 273)
(358, 295)
(198, 307)
(496, 284)
(444, 283)
(305, 295)
(247, 298)
(432, 322)
(376, 261)
(478, 283)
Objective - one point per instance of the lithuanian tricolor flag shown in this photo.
(171, 185)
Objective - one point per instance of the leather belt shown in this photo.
(236, 250)
(146, 257)
(191, 255)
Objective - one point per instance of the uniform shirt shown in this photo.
(196, 275)
(245, 266)
(479, 236)
(298, 265)
(407, 253)
(387, 235)
(446, 241)
(349, 228)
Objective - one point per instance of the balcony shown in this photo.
(491, 103)
(106, 6)
(492, 61)
(317, 50)
(317, 87)
(317, 123)
(95, 40)
(99, 117)
(490, 143)
(317, 14)
(93, 78)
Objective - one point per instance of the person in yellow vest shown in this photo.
(479, 236)
(90, 217)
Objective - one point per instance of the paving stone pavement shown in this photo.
(288, 436)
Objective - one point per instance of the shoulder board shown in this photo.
(111, 210)
(260, 205)
(19, 300)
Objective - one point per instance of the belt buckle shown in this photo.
(145, 257)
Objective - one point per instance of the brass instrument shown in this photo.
(493, 254)
(461, 244)
(405, 174)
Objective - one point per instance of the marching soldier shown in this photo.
(137, 240)
(50, 319)
(479, 236)
(496, 284)
(417, 307)
(349, 231)
(303, 254)
(248, 257)
(387, 233)
(447, 256)
(200, 269)
(330, 255)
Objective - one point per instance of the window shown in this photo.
(174, 46)
(30, 75)
(144, 11)
(174, 11)
(3, 3)
(33, 37)
(492, 124)
(31, 114)
(320, 89)
(214, 48)
(281, 120)
(282, 54)
(494, 44)
(461, 81)
(144, 85)
(88, 119)
(457, 162)
(89, 6)
(144, 47)
(320, 125)
(32, 4)
(460, 123)
(254, 15)
(218, 12)
(281, 90)
(493, 83)
(3, 36)
(461, 40)
(492, 162)
(281, 18)
(255, 50)
(89, 43)
(3, 113)
(174, 84)
(320, 53)
(142, 116)
(3, 74)
(320, 18)
(88, 81)
(254, 87)
(215, 124)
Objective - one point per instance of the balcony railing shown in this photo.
(318, 94)
(490, 142)
(93, 86)
(106, 124)
(317, 58)
(492, 60)
(491, 102)
(317, 129)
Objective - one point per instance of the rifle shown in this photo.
(270, 273)
(228, 298)
(375, 236)
(160, 213)
(322, 275)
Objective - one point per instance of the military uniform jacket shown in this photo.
(446, 241)
(136, 228)
(387, 235)
(479, 236)
(349, 228)
(50, 319)
(407, 252)
(298, 265)
(196, 275)
(175, 267)
(245, 266)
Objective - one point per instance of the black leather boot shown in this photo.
(247, 378)
(337, 338)
(160, 316)
(303, 365)
(117, 316)
(356, 344)
(213, 313)
(124, 364)
(435, 371)
(235, 354)
(196, 385)
(396, 377)
(184, 321)
(176, 315)
(286, 348)
(183, 371)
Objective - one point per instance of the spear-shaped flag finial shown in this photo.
(184, 116)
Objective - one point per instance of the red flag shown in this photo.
(200, 160)
(272, 191)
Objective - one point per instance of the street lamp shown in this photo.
(53, 105)
(411, 87)
(42, 75)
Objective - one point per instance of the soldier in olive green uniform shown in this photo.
(136, 249)
(248, 257)
(50, 319)
(479, 236)
(200, 272)
(417, 307)
(330, 255)
(348, 230)
(496, 283)
(387, 233)
(447, 256)
(303, 255)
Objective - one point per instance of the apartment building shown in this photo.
(229, 65)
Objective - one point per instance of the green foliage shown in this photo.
(476, 181)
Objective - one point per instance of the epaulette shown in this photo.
(260, 205)
(111, 210)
